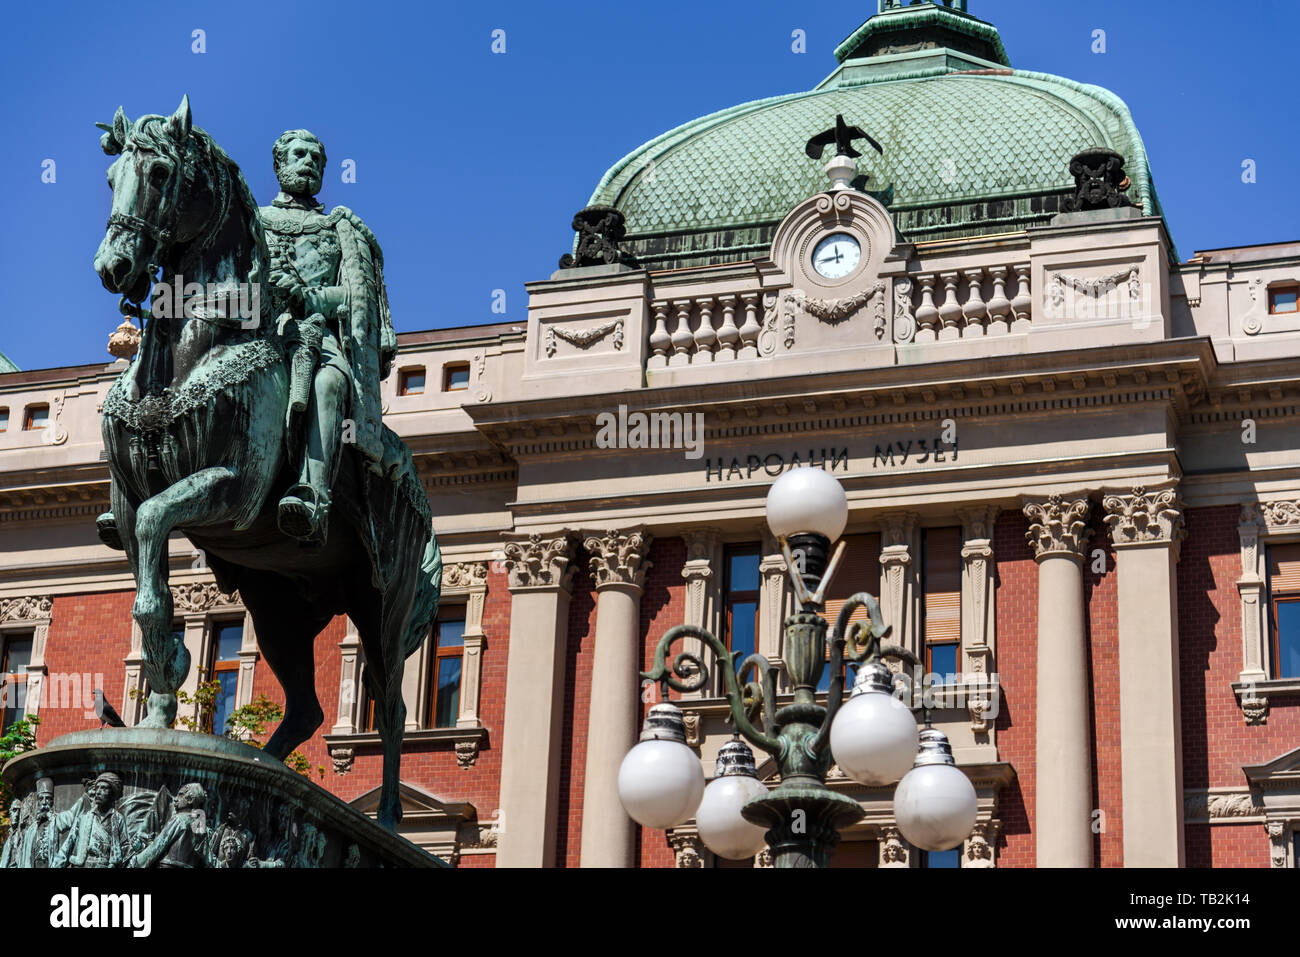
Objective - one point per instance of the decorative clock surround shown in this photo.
(834, 221)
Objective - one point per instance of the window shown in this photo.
(38, 417)
(1284, 609)
(227, 640)
(4, 420)
(941, 859)
(859, 571)
(411, 382)
(741, 595)
(455, 376)
(1283, 299)
(366, 717)
(941, 599)
(15, 655)
(444, 668)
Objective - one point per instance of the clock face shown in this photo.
(836, 256)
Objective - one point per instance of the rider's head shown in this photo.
(299, 159)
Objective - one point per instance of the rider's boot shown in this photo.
(106, 527)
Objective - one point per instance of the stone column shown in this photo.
(898, 573)
(540, 576)
(1063, 774)
(1147, 529)
(703, 590)
(775, 602)
(618, 567)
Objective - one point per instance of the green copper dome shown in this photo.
(971, 147)
(6, 365)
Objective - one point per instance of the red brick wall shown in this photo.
(89, 637)
(1216, 740)
(663, 606)
(1101, 601)
(1017, 657)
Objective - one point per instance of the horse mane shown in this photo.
(151, 132)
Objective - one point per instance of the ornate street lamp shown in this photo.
(874, 737)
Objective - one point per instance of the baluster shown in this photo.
(705, 337)
(729, 334)
(1022, 307)
(682, 338)
(974, 310)
(660, 341)
(999, 306)
(927, 316)
(751, 328)
(950, 311)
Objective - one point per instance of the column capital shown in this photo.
(977, 523)
(1058, 526)
(1144, 518)
(619, 557)
(896, 529)
(700, 545)
(538, 560)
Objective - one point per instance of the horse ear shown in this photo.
(114, 137)
(180, 123)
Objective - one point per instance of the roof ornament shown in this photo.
(1099, 181)
(842, 168)
(600, 230)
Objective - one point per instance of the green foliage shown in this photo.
(205, 699)
(248, 723)
(18, 738)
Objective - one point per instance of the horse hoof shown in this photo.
(106, 527)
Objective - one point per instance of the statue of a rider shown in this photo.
(327, 269)
(337, 327)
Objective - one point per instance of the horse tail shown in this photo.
(424, 608)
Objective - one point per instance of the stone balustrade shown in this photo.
(972, 302)
(698, 330)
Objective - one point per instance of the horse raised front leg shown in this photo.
(203, 498)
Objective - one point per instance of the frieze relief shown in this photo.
(1220, 806)
(584, 338)
(26, 609)
(200, 597)
(465, 575)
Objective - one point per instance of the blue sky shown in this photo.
(471, 164)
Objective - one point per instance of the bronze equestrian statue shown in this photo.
(305, 503)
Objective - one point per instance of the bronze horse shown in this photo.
(196, 439)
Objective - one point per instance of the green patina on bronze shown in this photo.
(258, 434)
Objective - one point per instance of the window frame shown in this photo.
(217, 666)
(926, 642)
(4, 418)
(448, 370)
(437, 656)
(1275, 632)
(22, 677)
(1283, 287)
(405, 374)
(29, 420)
(730, 598)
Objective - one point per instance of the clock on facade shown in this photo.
(836, 256)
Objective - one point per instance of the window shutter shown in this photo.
(942, 584)
(859, 571)
(1284, 569)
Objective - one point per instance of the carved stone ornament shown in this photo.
(124, 342)
(979, 846)
(600, 229)
(200, 597)
(692, 722)
(1095, 286)
(584, 338)
(343, 759)
(1210, 806)
(893, 852)
(1099, 181)
(1254, 707)
(540, 561)
(619, 557)
(467, 752)
(26, 609)
(904, 320)
(1145, 517)
(686, 850)
(465, 575)
(791, 302)
(1058, 526)
(1276, 831)
(1281, 514)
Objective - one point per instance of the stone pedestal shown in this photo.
(183, 799)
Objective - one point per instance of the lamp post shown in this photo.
(874, 736)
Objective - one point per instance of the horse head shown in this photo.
(155, 206)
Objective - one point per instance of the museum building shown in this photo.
(1072, 460)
